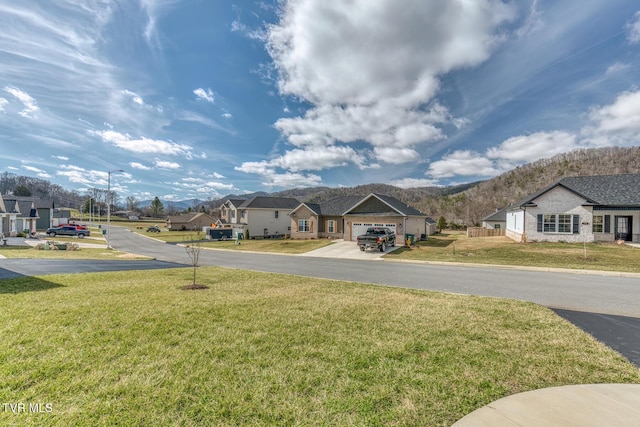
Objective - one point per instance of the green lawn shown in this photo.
(456, 247)
(259, 349)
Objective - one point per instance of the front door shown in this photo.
(623, 228)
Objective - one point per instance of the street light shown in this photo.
(109, 203)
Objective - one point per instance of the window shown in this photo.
(242, 213)
(549, 224)
(303, 225)
(233, 214)
(598, 222)
(559, 223)
(331, 226)
(496, 226)
(276, 213)
(564, 223)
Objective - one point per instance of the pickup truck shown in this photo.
(376, 237)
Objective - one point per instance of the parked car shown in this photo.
(71, 224)
(376, 237)
(153, 229)
(68, 230)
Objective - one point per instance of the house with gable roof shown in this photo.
(349, 216)
(17, 214)
(261, 216)
(579, 209)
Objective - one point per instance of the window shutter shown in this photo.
(607, 223)
(576, 224)
(539, 223)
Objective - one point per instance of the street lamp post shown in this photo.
(109, 203)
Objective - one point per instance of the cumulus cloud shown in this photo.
(528, 148)
(617, 123)
(142, 144)
(83, 176)
(371, 71)
(30, 105)
(63, 158)
(633, 29)
(463, 162)
(510, 153)
(206, 95)
(3, 102)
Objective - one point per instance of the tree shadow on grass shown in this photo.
(19, 284)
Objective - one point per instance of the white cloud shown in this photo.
(30, 105)
(633, 29)
(41, 173)
(371, 70)
(528, 148)
(218, 176)
(203, 94)
(91, 178)
(461, 163)
(615, 68)
(142, 144)
(271, 178)
(617, 123)
(140, 166)
(134, 97)
(414, 183)
(3, 102)
(162, 164)
(227, 115)
(63, 158)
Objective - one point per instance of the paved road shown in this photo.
(608, 300)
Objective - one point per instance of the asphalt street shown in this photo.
(605, 305)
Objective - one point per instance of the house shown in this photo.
(24, 213)
(267, 216)
(229, 212)
(8, 218)
(61, 217)
(191, 222)
(496, 221)
(579, 209)
(349, 216)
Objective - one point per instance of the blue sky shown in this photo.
(202, 98)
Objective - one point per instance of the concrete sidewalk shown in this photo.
(576, 405)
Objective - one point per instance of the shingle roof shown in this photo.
(236, 202)
(263, 202)
(499, 215)
(605, 190)
(39, 203)
(400, 206)
(338, 205)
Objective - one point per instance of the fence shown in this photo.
(484, 232)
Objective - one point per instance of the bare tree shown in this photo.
(193, 250)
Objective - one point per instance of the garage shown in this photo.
(359, 228)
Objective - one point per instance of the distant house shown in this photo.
(349, 216)
(8, 217)
(61, 217)
(579, 209)
(22, 206)
(496, 221)
(189, 222)
(260, 216)
(229, 211)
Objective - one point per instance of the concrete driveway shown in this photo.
(348, 250)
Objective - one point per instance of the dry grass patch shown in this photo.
(456, 247)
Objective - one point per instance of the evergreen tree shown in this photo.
(157, 207)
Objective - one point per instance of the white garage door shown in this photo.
(359, 228)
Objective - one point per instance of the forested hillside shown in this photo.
(464, 204)
(473, 204)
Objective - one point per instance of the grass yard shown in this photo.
(283, 246)
(259, 349)
(456, 247)
(82, 253)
